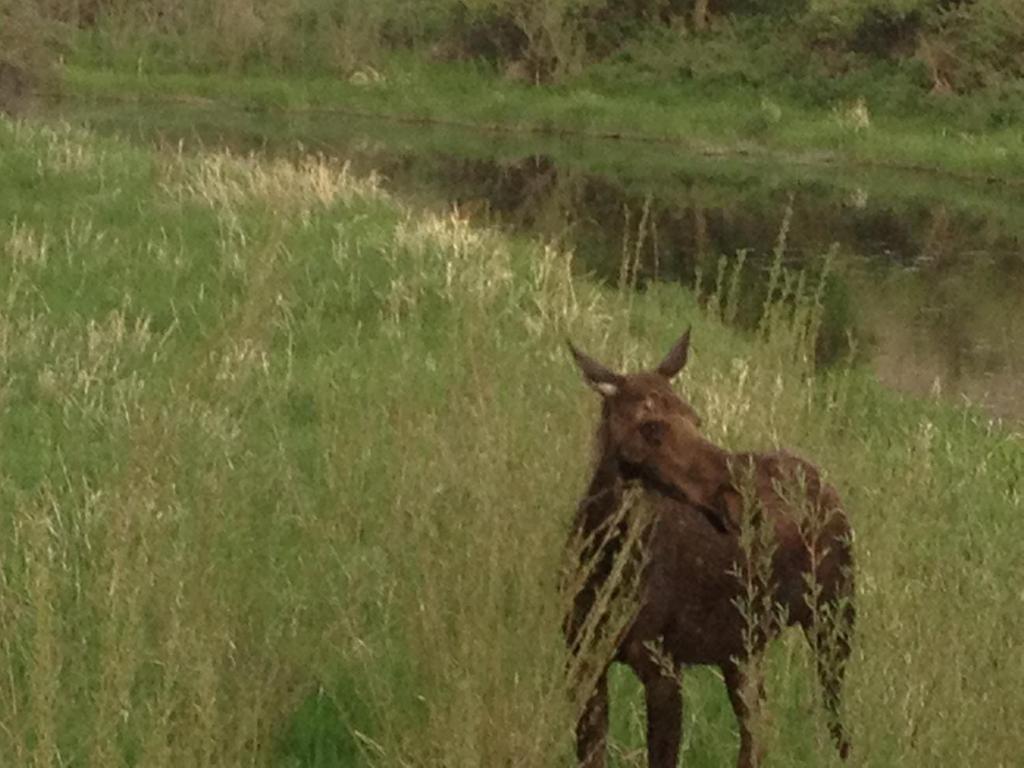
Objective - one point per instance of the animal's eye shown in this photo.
(653, 431)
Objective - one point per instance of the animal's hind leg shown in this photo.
(592, 727)
(830, 638)
(746, 696)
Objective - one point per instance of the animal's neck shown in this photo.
(604, 493)
(712, 465)
(603, 496)
(592, 544)
(698, 474)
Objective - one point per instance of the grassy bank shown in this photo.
(906, 83)
(286, 469)
(726, 119)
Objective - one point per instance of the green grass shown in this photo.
(712, 119)
(286, 470)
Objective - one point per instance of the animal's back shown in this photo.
(808, 517)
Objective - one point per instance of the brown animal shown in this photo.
(713, 517)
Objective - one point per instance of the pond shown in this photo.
(925, 272)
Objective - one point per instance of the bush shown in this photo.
(961, 46)
(539, 41)
(878, 27)
(977, 45)
(28, 47)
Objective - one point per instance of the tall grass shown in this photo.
(286, 471)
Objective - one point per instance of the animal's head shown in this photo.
(654, 434)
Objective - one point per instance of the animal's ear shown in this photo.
(707, 486)
(714, 515)
(676, 357)
(715, 507)
(723, 510)
(730, 508)
(602, 379)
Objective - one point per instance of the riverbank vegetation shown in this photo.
(836, 46)
(911, 83)
(286, 470)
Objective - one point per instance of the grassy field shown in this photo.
(286, 469)
(718, 119)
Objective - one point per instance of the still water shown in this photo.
(926, 272)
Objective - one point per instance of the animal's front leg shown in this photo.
(664, 719)
(592, 727)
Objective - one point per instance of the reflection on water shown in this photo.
(928, 276)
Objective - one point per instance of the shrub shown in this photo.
(28, 46)
(546, 38)
(879, 27)
(976, 45)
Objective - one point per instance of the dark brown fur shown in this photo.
(696, 573)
